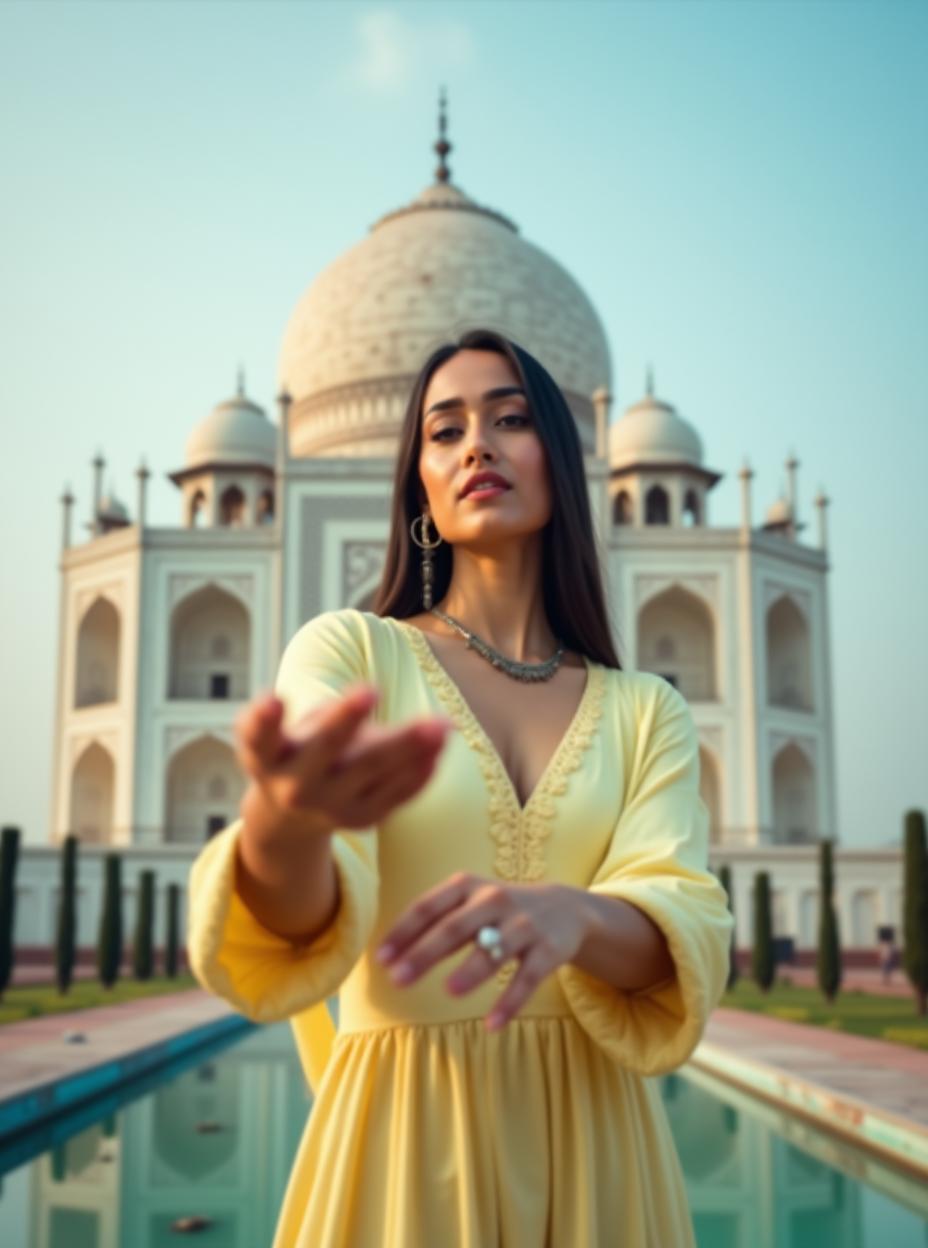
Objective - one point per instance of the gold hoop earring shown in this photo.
(427, 547)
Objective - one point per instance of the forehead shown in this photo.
(468, 375)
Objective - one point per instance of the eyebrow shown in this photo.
(499, 393)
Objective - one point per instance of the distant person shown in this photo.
(889, 958)
(556, 843)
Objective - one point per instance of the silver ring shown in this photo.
(490, 941)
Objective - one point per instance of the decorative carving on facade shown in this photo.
(182, 584)
(705, 587)
(109, 740)
(801, 598)
(361, 561)
(179, 735)
(112, 591)
(808, 745)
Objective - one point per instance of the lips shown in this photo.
(485, 478)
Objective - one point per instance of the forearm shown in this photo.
(622, 945)
(285, 874)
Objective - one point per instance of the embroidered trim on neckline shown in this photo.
(519, 832)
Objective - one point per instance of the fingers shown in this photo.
(459, 927)
(263, 744)
(532, 970)
(425, 911)
(258, 733)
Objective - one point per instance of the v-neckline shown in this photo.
(459, 708)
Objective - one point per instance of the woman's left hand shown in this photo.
(543, 925)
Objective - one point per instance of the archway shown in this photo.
(210, 647)
(97, 666)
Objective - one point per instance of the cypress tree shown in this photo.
(725, 877)
(109, 943)
(763, 963)
(915, 906)
(142, 954)
(9, 856)
(64, 937)
(173, 931)
(829, 944)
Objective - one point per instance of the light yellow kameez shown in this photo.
(427, 1129)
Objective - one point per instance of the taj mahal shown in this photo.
(164, 632)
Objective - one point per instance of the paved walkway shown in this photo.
(871, 1091)
(42, 1073)
(864, 978)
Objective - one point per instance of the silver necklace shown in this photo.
(512, 667)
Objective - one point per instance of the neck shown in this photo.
(499, 597)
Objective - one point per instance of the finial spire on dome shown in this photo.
(649, 382)
(442, 147)
(241, 382)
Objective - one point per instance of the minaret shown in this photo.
(821, 502)
(67, 501)
(98, 463)
(443, 146)
(143, 474)
(746, 474)
(791, 492)
(284, 400)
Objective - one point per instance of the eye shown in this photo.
(526, 420)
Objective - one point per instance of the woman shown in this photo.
(554, 844)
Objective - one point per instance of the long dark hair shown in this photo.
(571, 582)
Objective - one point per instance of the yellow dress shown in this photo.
(426, 1129)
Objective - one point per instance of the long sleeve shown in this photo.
(658, 861)
(265, 976)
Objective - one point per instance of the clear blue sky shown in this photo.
(742, 190)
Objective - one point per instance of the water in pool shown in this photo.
(214, 1137)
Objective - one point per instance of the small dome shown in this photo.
(235, 432)
(778, 513)
(650, 431)
(111, 508)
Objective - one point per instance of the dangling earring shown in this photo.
(426, 547)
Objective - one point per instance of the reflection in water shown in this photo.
(218, 1140)
(751, 1186)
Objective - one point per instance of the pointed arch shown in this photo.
(196, 514)
(676, 639)
(203, 789)
(232, 507)
(96, 670)
(793, 788)
(210, 647)
(657, 506)
(265, 513)
(789, 656)
(93, 788)
(623, 511)
(692, 509)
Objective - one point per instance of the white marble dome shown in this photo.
(236, 431)
(650, 431)
(424, 274)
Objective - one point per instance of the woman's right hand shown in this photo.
(333, 769)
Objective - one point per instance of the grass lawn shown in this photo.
(35, 1000)
(860, 1013)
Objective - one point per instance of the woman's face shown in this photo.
(475, 433)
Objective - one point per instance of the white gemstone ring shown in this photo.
(490, 941)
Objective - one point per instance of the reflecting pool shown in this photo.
(215, 1135)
